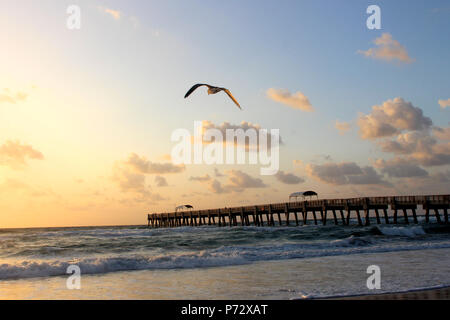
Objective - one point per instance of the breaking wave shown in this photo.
(221, 255)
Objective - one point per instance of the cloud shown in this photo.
(408, 143)
(130, 19)
(166, 157)
(14, 154)
(8, 97)
(401, 129)
(244, 125)
(442, 177)
(216, 187)
(212, 185)
(237, 181)
(115, 14)
(439, 156)
(390, 118)
(141, 165)
(419, 147)
(444, 103)
(434, 183)
(297, 100)
(129, 181)
(134, 183)
(345, 173)
(204, 178)
(17, 186)
(387, 49)
(131, 175)
(342, 127)
(400, 168)
(288, 178)
(161, 181)
(442, 133)
(241, 180)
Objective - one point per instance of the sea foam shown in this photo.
(402, 231)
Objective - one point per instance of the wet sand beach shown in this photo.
(428, 294)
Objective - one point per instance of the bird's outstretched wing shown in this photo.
(193, 89)
(232, 98)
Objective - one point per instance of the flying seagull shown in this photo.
(212, 90)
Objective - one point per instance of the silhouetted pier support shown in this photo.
(400, 206)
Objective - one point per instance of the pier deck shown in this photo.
(296, 213)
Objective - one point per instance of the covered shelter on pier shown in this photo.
(302, 195)
(184, 206)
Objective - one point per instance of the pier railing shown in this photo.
(341, 209)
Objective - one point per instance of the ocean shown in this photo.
(209, 262)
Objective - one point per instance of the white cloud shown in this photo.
(161, 181)
(443, 177)
(419, 148)
(407, 132)
(442, 133)
(8, 97)
(237, 181)
(142, 165)
(345, 173)
(342, 127)
(408, 143)
(390, 118)
(132, 182)
(288, 178)
(439, 156)
(204, 178)
(217, 173)
(400, 168)
(130, 19)
(129, 181)
(242, 180)
(14, 154)
(244, 125)
(131, 176)
(297, 100)
(387, 49)
(444, 103)
(115, 14)
(165, 157)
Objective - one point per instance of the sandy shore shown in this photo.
(430, 294)
(330, 276)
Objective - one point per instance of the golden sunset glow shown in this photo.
(86, 116)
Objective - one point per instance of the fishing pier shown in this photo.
(403, 209)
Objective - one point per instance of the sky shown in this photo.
(86, 115)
